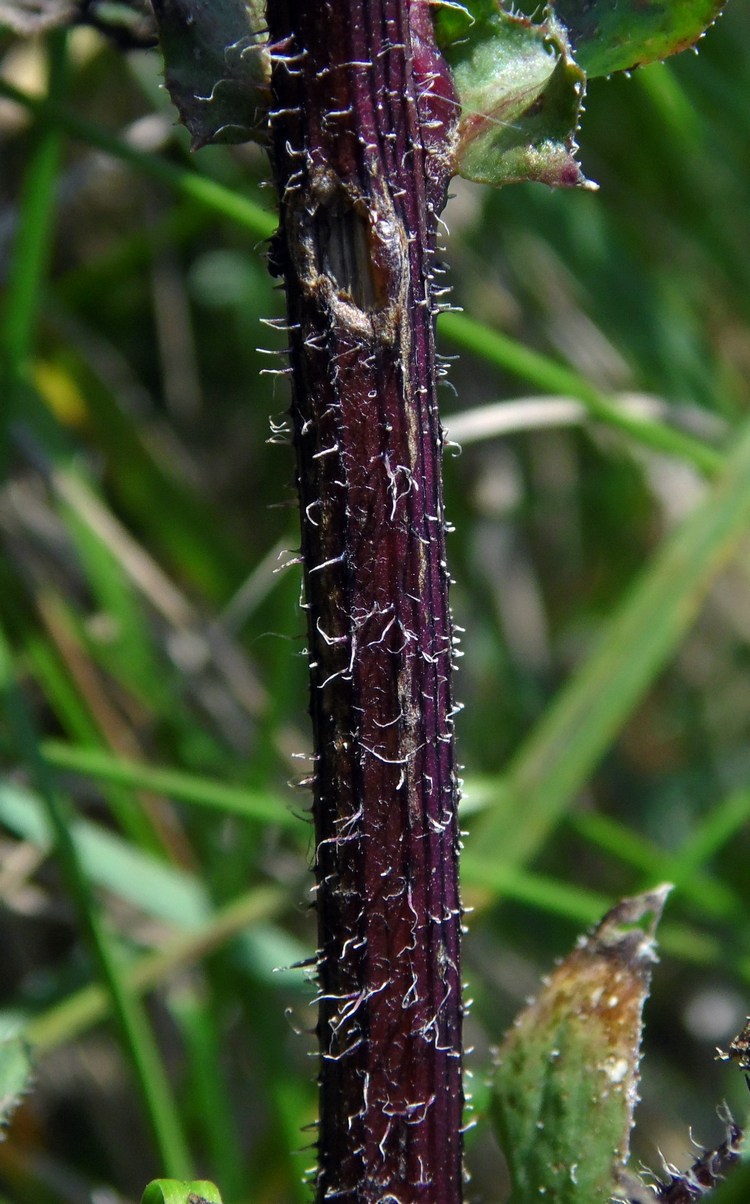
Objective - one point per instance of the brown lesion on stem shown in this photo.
(362, 134)
(347, 249)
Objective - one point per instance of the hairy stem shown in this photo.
(362, 126)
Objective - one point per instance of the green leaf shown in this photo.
(616, 35)
(566, 1080)
(181, 1191)
(521, 84)
(452, 21)
(520, 94)
(15, 1073)
(217, 67)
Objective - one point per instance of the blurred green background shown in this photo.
(152, 649)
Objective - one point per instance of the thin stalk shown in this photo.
(361, 120)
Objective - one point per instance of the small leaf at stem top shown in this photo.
(181, 1191)
(521, 82)
(566, 1081)
(520, 94)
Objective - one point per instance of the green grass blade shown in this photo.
(578, 904)
(136, 1034)
(644, 633)
(161, 890)
(208, 1089)
(583, 906)
(187, 532)
(28, 264)
(259, 806)
(715, 898)
(188, 183)
(718, 827)
(90, 1005)
(552, 377)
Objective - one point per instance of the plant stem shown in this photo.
(362, 125)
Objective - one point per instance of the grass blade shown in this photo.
(257, 805)
(136, 1034)
(644, 633)
(88, 1006)
(546, 374)
(32, 247)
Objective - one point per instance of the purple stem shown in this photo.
(362, 125)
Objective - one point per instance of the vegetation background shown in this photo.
(157, 638)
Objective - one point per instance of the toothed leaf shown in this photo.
(566, 1081)
(520, 95)
(616, 35)
(15, 1074)
(180, 1191)
(521, 84)
(217, 67)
